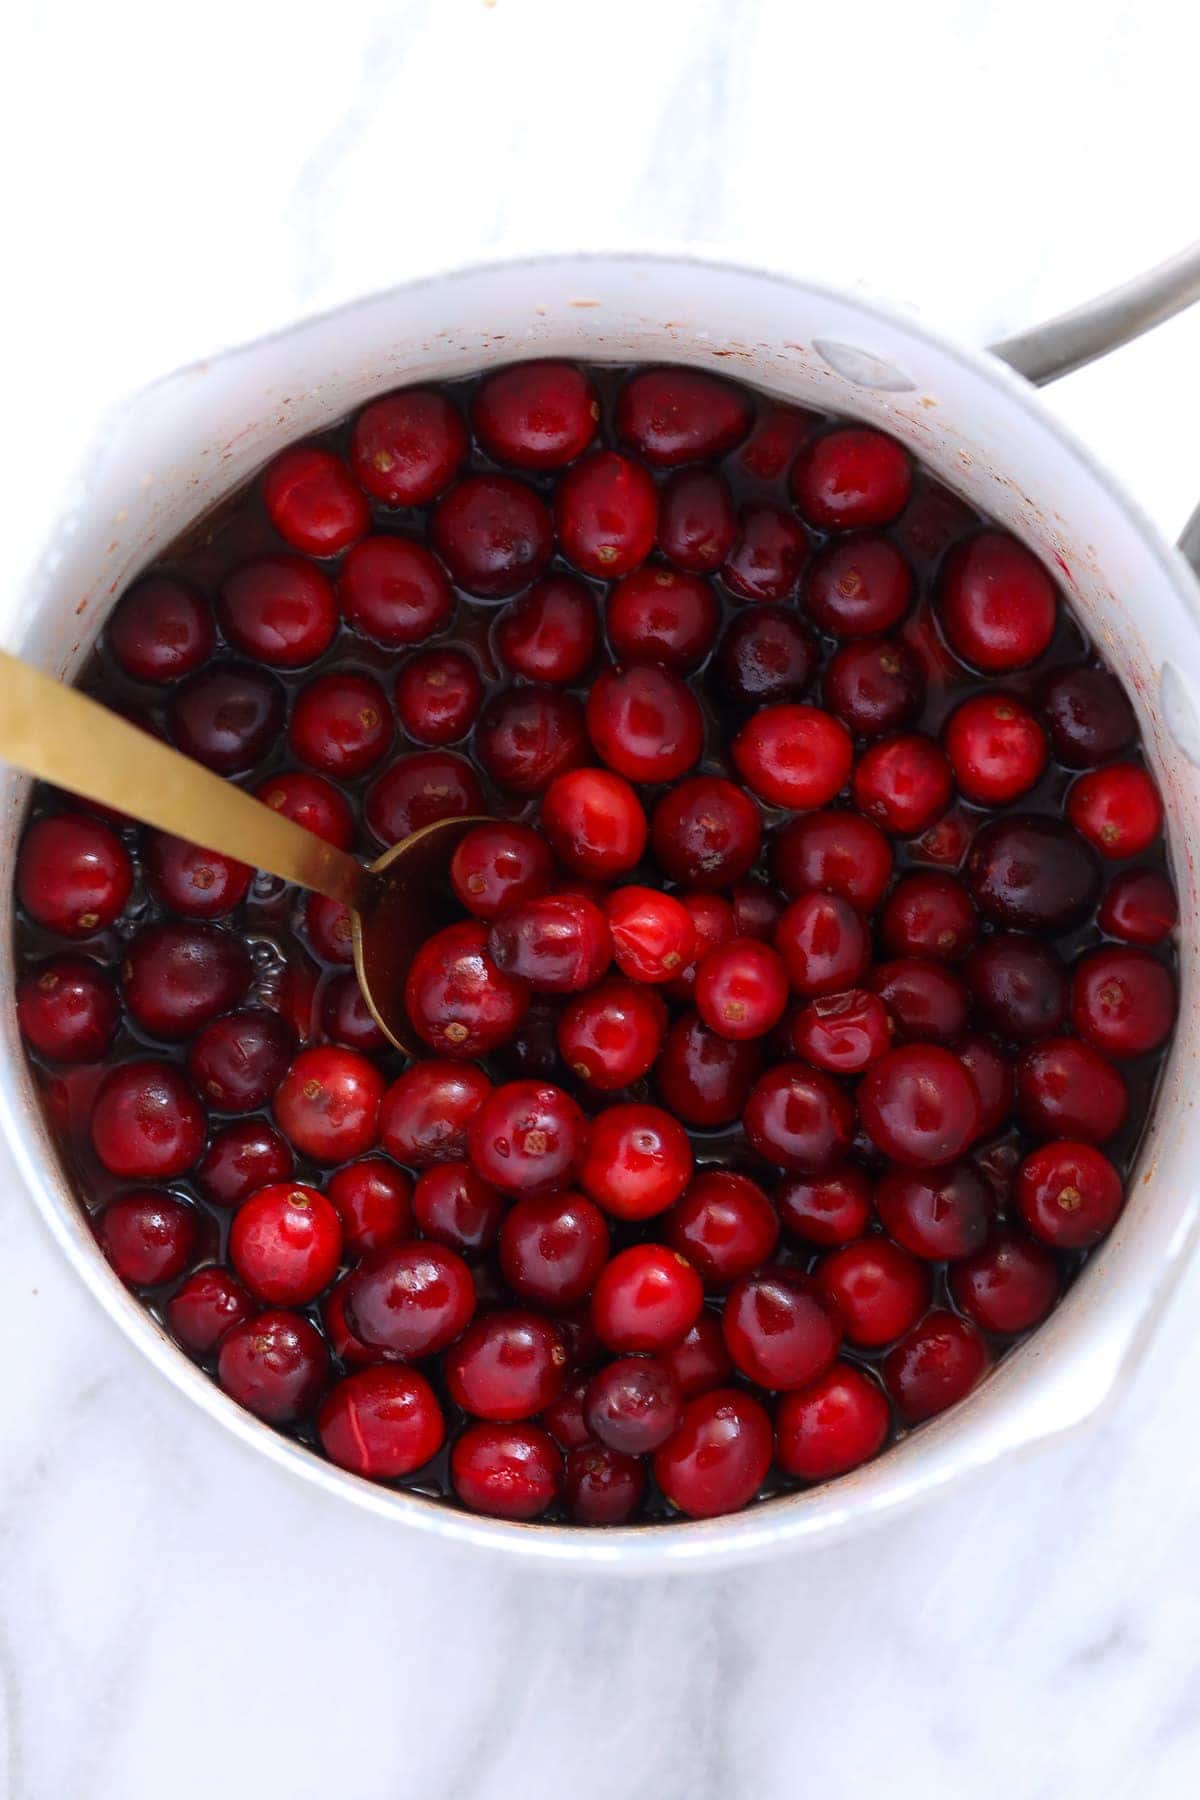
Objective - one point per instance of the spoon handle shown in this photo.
(55, 732)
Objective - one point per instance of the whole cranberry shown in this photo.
(823, 943)
(1018, 986)
(874, 685)
(778, 433)
(602, 1486)
(646, 1298)
(161, 630)
(177, 977)
(992, 1078)
(204, 1307)
(551, 632)
(1088, 715)
(381, 1423)
(68, 1009)
(706, 832)
(552, 1249)
(742, 989)
(633, 1404)
(418, 790)
(878, 1290)
(1123, 1002)
(919, 1106)
(306, 799)
(373, 1200)
(638, 1161)
(73, 874)
(645, 723)
(1007, 1287)
(424, 1115)
(725, 1226)
(149, 1236)
(780, 1329)
(279, 610)
(558, 943)
(766, 655)
(1032, 873)
(345, 1016)
(327, 1105)
(507, 1471)
(929, 914)
(653, 937)
(227, 716)
(438, 695)
(904, 783)
(939, 1214)
(147, 1124)
(195, 883)
(500, 865)
(793, 756)
(833, 853)
(825, 1209)
(697, 523)
(341, 724)
(841, 1033)
(528, 735)
(798, 1119)
(606, 511)
(996, 748)
(925, 1000)
(611, 1036)
(237, 1061)
(765, 562)
(454, 1206)
(494, 535)
(507, 1365)
(240, 1158)
(394, 591)
(699, 1361)
(1069, 1194)
(703, 1078)
(718, 1459)
(661, 615)
(934, 1366)
(851, 479)
(676, 415)
(838, 1422)
(458, 999)
(595, 823)
(527, 1138)
(276, 1365)
(286, 1244)
(1139, 908)
(1117, 809)
(412, 1298)
(997, 605)
(535, 415)
(313, 501)
(859, 586)
(329, 928)
(406, 447)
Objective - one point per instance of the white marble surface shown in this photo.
(176, 1617)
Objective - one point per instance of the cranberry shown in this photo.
(237, 1061)
(161, 630)
(697, 524)
(195, 883)
(341, 724)
(551, 632)
(653, 937)
(424, 1116)
(1088, 716)
(148, 1236)
(1033, 873)
(611, 1036)
(645, 723)
(765, 562)
(286, 1244)
(780, 1329)
(778, 434)
(996, 748)
(227, 716)
(1018, 986)
(276, 1365)
(527, 1138)
(458, 1000)
(1139, 908)
(633, 1404)
(558, 943)
(346, 1018)
(176, 978)
(1117, 809)
(418, 790)
(859, 586)
(595, 823)
(1007, 1287)
(940, 1215)
(841, 1033)
(934, 1366)
(794, 756)
(381, 1423)
(507, 1471)
(703, 1078)
(833, 853)
(823, 943)
(699, 1361)
(330, 928)
(638, 1161)
(1069, 1194)
(798, 1119)
(919, 1106)
(904, 783)
(929, 914)
(438, 695)
(552, 1249)
(501, 865)
(411, 1298)
(313, 501)
(825, 1209)
(724, 1225)
(494, 535)
(646, 1298)
(373, 1200)
(456, 1207)
(394, 591)
(874, 686)
(992, 1080)
(925, 1000)
(147, 1124)
(757, 909)
(659, 615)
(766, 655)
(507, 1365)
(719, 1457)
(602, 1486)
(204, 1307)
(528, 735)
(563, 1418)
(536, 415)
(73, 874)
(606, 510)
(705, 832)
(676, 415)
(278, 610)
(240, 1158)
(878, 1290)
(742, 989)
(407, 447)
(996, 603)
(327, 1104)
(1122, 1002)
(832, 1426)
(851, 479)
(68, 1009)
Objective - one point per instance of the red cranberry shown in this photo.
(237, 1061)
(286, 1244)
(350, 1351)
(276, 1365)
(778, 433)
(929, 914)
(780, 1329)
(646, 1298)
(602, 1486)
(313, 501)
(794, 756)
(1033, 873)
(798, 1119)
(645, 723)
(501, 865)
(563, 1418)
(418, 790)
(606, 510)
(346, 1018)
(851, 479)
(703, 1078)
(411, 1298)
(934, 1366)
(1117, 809)
(196, 883)
(840, 1421)
(1069, 1194)
(699, 1361)
(996, 603)
(177, 977)
(919, 1106)
(765, 562)
(373, 1200)
(859, 586)
(757, 909)
(394, 590)
(659, 615)
(307, 800)
(161, 630)
(697, 524)
(1088, 716)
(529, 735)
(724, 1225)
(878, 1290)
(766, 656)
(381, 1423)
(494, 535)
(1139, 908)
(996, 748)
(329, 928)
(204, 1307)
(551, 632)
(536, 415)
(718, 1459)
(611, 1036)
(278, 610)
(424, 1116)
(1008, 1286)
(68, 1009)
(633, 1405)
(507, 1471)
(327, 1104)
(823, 943)
(992, 1080)
(742, 989)
(438, 695)
(841, 1033)
(904, 783)
(826, 1209)
(241, 1158)
(458, 1000)
(940, 1215)
(653, 937)
(527, 1138)
(677, 415)
(874, 686)
(706, 832)
(148, 1236)
(638, 1161)
(713, 923)
(552, 1249)
(407, 447)
(1122, 1002)
(1019, 987)
(595, 823)
(924, 1000)
(456, 1207)
(73, 874)
(507, 1365)
(341, 724)
(558, 943)
(833, 853)
(227, 716)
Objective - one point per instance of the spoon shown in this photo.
(60, 735)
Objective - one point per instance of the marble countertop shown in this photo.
(178, 1618)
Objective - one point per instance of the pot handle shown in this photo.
(1073, 339)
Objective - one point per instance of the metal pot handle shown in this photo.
(1068, 342)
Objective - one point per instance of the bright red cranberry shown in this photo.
(879, 1290)
(381, 1423)
(904, 783)
(558, 943)
(919, 1106)
(306, 799)
(195, 883)
(1069, 1194)
(653, 937)
(595, 823)
(73, 874)
(146, 1122)
(823, 942)
(529, 735)
(177, 977)
(1032, 873)
(611, 1036)
(798, 1119)
(313, 501)
(278, 610)
(237, 1061)
(713, 922)
(697, 523)
(527, 1138)
(507, 1365)
(706, 832)
(412, 1298)
(1088, 715)
(859, 586)
(765, 562)
(242, 1157)
(536, 415)
(874, 686)
(646, 1298)
(940, 1215)
(718, 1459)
(329, 928)
(742, 989)
(606, 511)
(345, 1016)
(204, 1307)
(703, 1078)
(438, 695)
(424, 1116)
(494, 535)
(724, 1225)
(456, 1207)
(1018, 986)
(997, 605)
(851, 479)
(1117, 809)
(276, 1365)
(992, 1078)
(699, 1361)
(407, 447)
(645, 723)
(418, 790)
(286, 1244)
(148, 1236)
(394, 590)
(68, 1009)
(458, 1000)
(1123, 1002)
(633, 1405)
(934, 1366)
(929, 914)
(794, 756)
(1007, 1287)
(506, 1471)
(638, 1161)
(328, 1104)
(161, 630)
(833, 853)
(825, 1209)
(841, 1033)
(373, 1200)
(924, 1000)
(602, 1486)
(780, 1329)
(500, 865)
(552, 1249)
(832, 1426)
(1139, 908)
(551, 632)
(676, 415)
(341, 724)
(658, 614)
(227, 716)
(766, 656)
(996, 748)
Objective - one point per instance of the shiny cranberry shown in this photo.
(823, 943)
(345, 1016)
(703, 1078)
(841, 1033)
(529, 735)
(374, 1201)
(459, 1000)
(381, 1423)
(527, 1138)
(407, 447)
(780, 1329)
(494, 535)
(778, 433)
(638, 1161)
(653, 937)
(286, 1244)
(996, 603)
(240, 1158)
(699, 1361)
(276, 1365)
(68, 1009)
(558, 943)
(742, 989)
(925, 1000)
(1117, 809)
(851, 479)
(394, 590)
(757, 909)
(996, 748)
(765, 562)
(438, 695)
(838, 1422)
(454, 1206)
(507, 1365)
(602, 1486)
(859, 586)
(940, 1215)
(697, 524)
(934, 1366)
(418, 790)
(1139, 908)
(874, 686)
(501, 865)
(992, 1079)
(341, 724)
(794, 756)
(1123, 1002)
(227, 716)
(563, 1418)
(919, 1106)
(507, 1471)
(1069, 1194)
(798, 1119)
(1032, 873)
(552, 1249)
(645, 723)
(307, 800)
(606, 511)
(706, 832)
(595, 823)
(725, 1226)
(878, 1290)
(329, 928)
(412, 1298)
(713, 922)
(177, 977)
(204, 1307)
(677, 415)
(313, 501)
(825, 1209)
(424, 1116)
(550, 633)
(611, 1036)
(1018, 986)
(718, 1459)
(904, 783)
(659, 615)
(237, 1061)
(833, 853)
(147, 1124)
(536, 415)
(766, 655)
(646, 1298)
(327, 1104)
(929, 914)
(633, 1404)
(1088, 715)
(1007, 1287)
(73, 874)
(148, 1236)
(278, 610)
(161, 630)
(195, 883)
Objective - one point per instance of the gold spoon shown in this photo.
(58, 734)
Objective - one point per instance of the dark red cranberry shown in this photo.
(500, 865)
(877, 1289)
(742, 989)
(996, 748)
(823, 943)
(177, 977)
(595, 823)
(161, 630)
(1007, 1287)
(638, 1161)
(276, 1365)
(456, 1207)
(645, 723)
(458, 1000)
(286, 1244)
(204, 1307)
(676, 415)
(633, 1404)
(345, 1016)
(240, 1158)
(929, 914)
(945, 841)
(279, 610)
(699, 1361)
(341, 724)
(558, 943)
(507, 1365)
(832, 1426)
(874, 686)
(506, 1471)
(658, 614)
(329, 928)
(934, 1366)
(611, 1036)
(307, 800)
(996, 603)
(925, 1000)
(536, 415)
(1117, 809)
(563, 1418)
(992, 1078)
(841, 1033)
(606, 511)
(68, 1009)
(1032, 873)
(653, 937)
(725, 1226)
(237, 1061)
(1139, 908)
(942, 1214)
(382, 1423)
(147, 1124)
(1069, 1194)
(798, 1119)
(1088, 715)
(859, 586)
(713, 923)
(646, 1298)
(73, 874)
(407, 447)
(195, 883)
(757, 909)
(765, 562)
(766, 656)
(904, 783)
(527, 1138)
(1018, 986)
(703, 1078)
(327, 1104)
(552, 1249)
(833, 853)
(706, 832)
(494, 535)
(412, 1298)
(148, 1236)
(851, 479)
(551, 632)
(778, 433)
(528, 735)
(349, 1350)
(418, 790)
(374, 1201)
(697, 523)
(394, 590)
(227, 716)
(794, 756)
(780, 1329)
(424, 1116)
(719, 1457)
(826, 1209)
(919, 1106)
(602, 1486)
(438, 695)
(1123, 1002)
